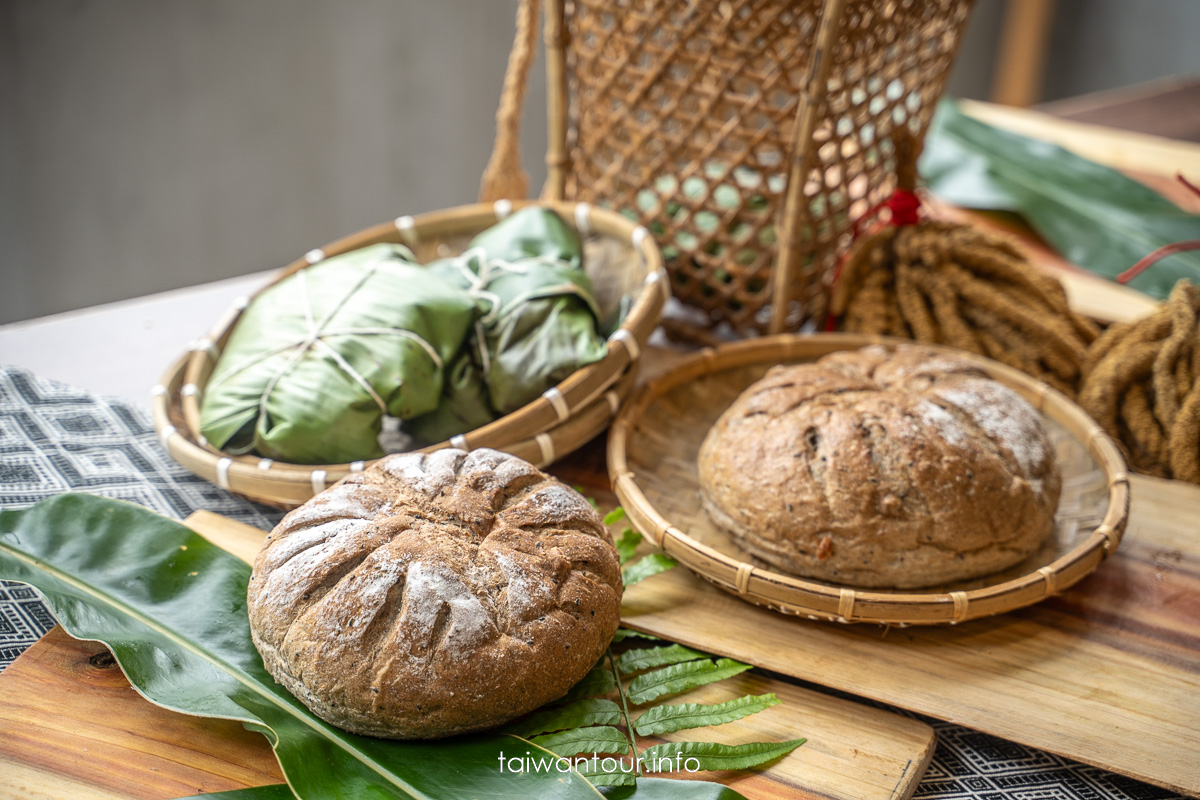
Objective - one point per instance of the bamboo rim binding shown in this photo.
(284, 485)
(640, 275)
(764, 585)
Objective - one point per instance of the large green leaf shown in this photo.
(276, 791)
(669, 789)
(646, 789)
(1094, 216)
(172, 608)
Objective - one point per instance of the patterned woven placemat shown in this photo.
(54, 439)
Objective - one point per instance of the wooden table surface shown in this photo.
(120, 349)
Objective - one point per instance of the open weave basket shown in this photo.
(747, 135)
(619, 257)
(653, 450)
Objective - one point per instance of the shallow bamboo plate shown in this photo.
(620, 258)
(654, 444)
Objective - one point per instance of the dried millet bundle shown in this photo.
(956, 285)
(1141, 382)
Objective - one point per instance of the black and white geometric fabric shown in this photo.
(56, 439)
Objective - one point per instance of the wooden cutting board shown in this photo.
(1107, 673)
(71, 728)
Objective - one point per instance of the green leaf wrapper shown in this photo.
(308, 363)
(538, 318)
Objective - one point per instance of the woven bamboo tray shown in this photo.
(652, 452)
(620, 258)
(288, 488)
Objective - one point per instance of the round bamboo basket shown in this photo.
(652, 452)
(620, 258)
(288, 488)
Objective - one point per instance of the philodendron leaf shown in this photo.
(627, 544)
(172, 608)
(1094, 216)
(607, 775)
(668, 719)
(591, 711)
(636, 660)
(599, 681)
(276, 791)
(647, 566)
(670, 789)
(598, 739)
(714, 756)
(681, 678)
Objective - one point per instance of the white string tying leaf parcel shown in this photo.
(390, 437)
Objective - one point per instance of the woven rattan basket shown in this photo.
(620, 258)
(749, 136)
(652, 452)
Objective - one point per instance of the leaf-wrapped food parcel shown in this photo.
(319, 359)
(539, 320)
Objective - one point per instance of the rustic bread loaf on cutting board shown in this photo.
(435, 594)
(897, 468)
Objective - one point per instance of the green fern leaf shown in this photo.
(602, 739)
(598, 682)
(647, 566)
(595, 711)
(681, 678)
(667, 719)
(627, 633)
(616, 515)
(635, 660)
(712, 756)
(627, 544)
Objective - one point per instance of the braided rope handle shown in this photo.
(504, 178)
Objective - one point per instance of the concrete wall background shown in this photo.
(150, 144)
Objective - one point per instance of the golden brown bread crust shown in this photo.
(435, 594)
(872, 468)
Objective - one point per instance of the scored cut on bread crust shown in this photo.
(901, 468)
(437, 594)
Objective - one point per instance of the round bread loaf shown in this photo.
(878, 468)
(435, 594)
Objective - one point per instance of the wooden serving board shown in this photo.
(1107, 673)
(71, 728)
